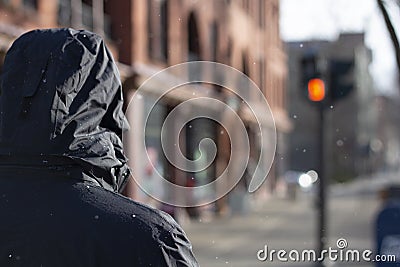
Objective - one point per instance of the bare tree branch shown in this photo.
(392, 32)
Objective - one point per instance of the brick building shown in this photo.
(146, 36)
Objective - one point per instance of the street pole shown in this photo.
(321, 201)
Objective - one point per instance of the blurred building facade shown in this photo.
(351, 121)
(145, 36)
(386, 145)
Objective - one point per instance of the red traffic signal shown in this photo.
(316, 90)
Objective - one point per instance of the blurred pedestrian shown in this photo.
(62, 164)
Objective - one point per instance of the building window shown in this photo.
(262, 75)
(261, 14)
(244, 84)
(229, 51)
(214, 36)
(284, 87)
(5, 2)
(64, 12)
(32, 4)
(89, 14)
(193, 40)
(157, 23)
(275, 22)
(194, 52)
(164, 29)
(246, 5)
(107, 24)
(214, 44)
(266, 80)
(245, 65)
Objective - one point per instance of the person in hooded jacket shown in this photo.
(62, 164)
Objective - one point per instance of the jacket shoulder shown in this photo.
(146, 230)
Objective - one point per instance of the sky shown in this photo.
(325, 19)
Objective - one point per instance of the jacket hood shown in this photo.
(61, 98)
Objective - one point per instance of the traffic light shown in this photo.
(308, 67)
(312, 83)
(341, 78)
(325, 83)
(316, 90)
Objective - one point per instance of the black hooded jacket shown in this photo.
(62, 163)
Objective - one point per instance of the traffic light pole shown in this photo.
(327, 80)
(321, 201)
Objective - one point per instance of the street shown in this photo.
(289, 225)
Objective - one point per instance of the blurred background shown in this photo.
(337, 157)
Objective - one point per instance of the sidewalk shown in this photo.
(234, 241)
(280, 224)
